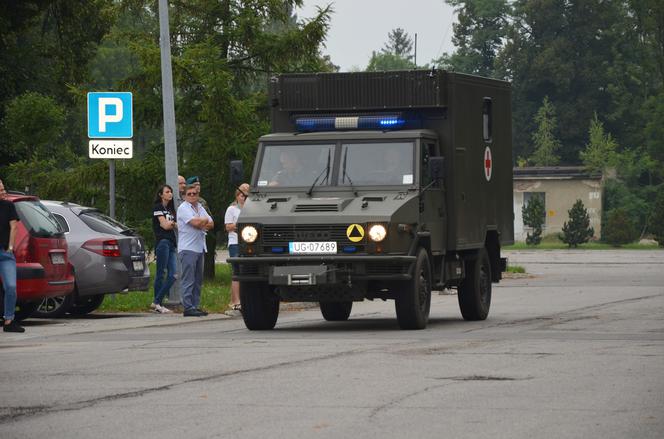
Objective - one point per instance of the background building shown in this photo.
(560, 187)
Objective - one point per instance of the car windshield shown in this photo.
(101, 223)
(296, 165)
(377, 164)
(37, 219)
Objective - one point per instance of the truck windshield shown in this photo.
(376, 164)
(295, 165)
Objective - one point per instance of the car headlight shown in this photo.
(249, 234)
(377, 232)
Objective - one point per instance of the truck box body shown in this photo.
(450, 104)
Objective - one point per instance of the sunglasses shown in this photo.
(192, 194)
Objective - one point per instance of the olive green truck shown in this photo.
(377, 185)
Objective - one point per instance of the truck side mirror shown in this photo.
(237, 173)
(437, 168)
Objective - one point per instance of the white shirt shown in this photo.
(232, 214)
(189, 237)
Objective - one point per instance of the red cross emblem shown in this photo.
(488, 163)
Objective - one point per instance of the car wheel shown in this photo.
(85, 305)
(54, 307)
(260, 305)
(413, 302)
(336, 311)
(474, 292)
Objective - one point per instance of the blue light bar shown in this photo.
(277, 249)
(340, 123)
(350, 249)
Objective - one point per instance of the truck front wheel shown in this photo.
(413, 302)
(475, 289)
(260, 305)
(336, 311)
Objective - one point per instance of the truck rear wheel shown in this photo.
(336, 311)
(475, 290)
(260, 306)
(413, 302)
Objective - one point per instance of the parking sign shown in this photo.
(110, 115)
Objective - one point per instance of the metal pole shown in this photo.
(111, 188)
(170, 142)
(415, 58)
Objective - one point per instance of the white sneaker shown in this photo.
(153, 306)
(163, 309)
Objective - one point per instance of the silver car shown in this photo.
(108, 257)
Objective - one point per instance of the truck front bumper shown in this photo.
(321, 270)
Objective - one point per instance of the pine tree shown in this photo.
(533, 216)
(577, 230)
(600, 152)
(544, 139)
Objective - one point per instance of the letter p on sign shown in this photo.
(110, 115)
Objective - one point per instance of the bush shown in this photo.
(619, 228)
(577, 230)
(533, 216)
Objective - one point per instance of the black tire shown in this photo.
(86, 304)
(475, 289)
(336, 311)
(413, 302)
(54, 307)
(260, 305)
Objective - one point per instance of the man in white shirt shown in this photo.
(193, 223)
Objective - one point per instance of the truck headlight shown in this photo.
(377, 232)
(249, 234)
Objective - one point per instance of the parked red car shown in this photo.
(42, 265)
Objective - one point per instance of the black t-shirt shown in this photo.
(7, 214)
(159, 233)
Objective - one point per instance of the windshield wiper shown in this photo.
(345, 175)
(325, 171)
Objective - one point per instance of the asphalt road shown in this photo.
(574, 350)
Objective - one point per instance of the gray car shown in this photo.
(108, 257)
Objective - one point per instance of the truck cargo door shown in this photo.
(433, 215)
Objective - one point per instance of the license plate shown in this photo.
(312, 248)
(57, 258)
(138, 265)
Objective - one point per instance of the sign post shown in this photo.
(110, 118)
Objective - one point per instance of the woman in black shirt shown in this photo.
(164, 225)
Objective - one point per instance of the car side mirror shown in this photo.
(437, 168)
(237, 173)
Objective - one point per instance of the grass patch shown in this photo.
(214, 296)
(515, 269)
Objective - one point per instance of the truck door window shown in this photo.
(296, 165)
(376, 164)
(487, 119)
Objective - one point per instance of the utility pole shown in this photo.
(170, 143)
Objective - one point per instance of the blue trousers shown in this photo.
(8, 276)
(166, 266)
(191, 279)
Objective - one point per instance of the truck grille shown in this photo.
(282, 235)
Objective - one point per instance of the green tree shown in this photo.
(395, 55)
(619, 228)
(33, 126)
(479, 35)
(400, 44)
(577, 230)
(534, 215)
(601, 149)
(544, 139)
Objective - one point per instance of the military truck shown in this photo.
(377, 186)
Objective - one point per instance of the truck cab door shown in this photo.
(433, 215)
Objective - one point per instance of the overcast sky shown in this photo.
(360, 26)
